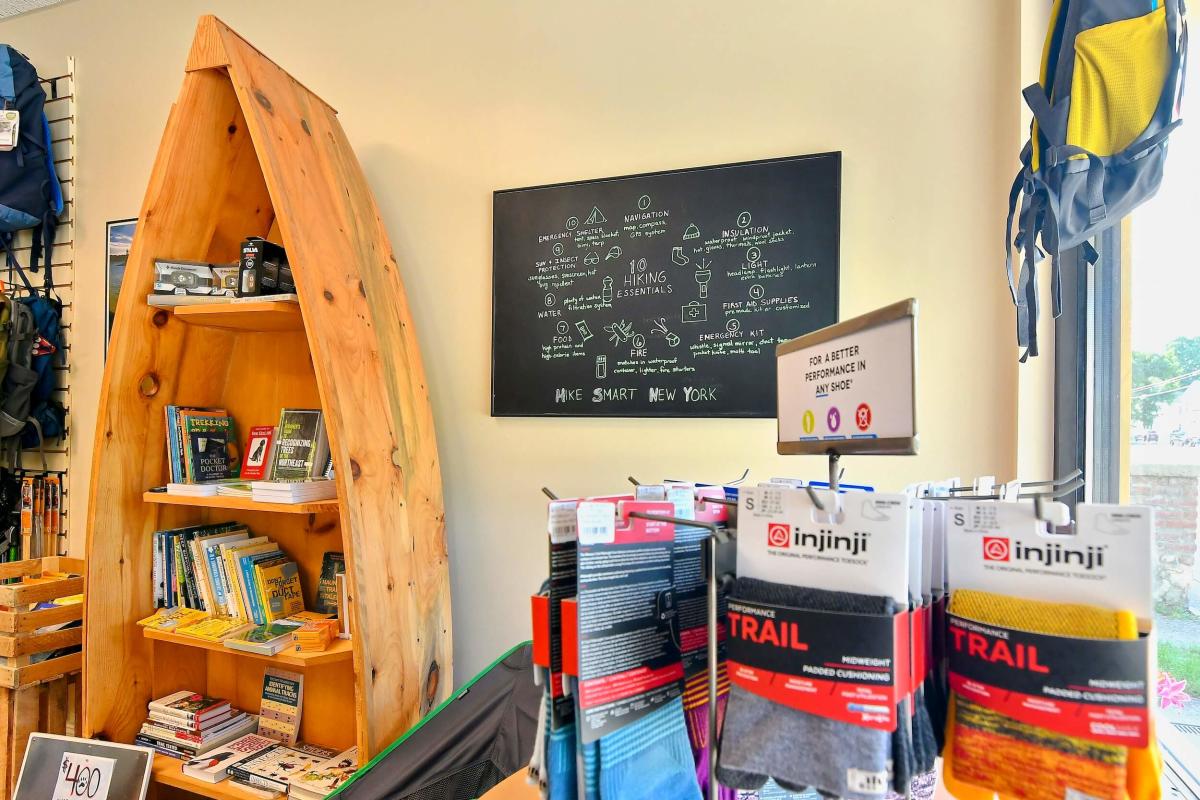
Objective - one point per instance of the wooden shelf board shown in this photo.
(265, 315)
(340, 650)
(243, 503)
(169, 771)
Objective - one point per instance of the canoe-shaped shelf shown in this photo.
(249, 151)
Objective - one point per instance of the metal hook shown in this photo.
(549, 493)
(835, 476)
(812, 495)
(634, 481)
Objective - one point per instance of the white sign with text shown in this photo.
(83, 777)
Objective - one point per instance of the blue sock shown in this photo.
(650, 759)
(587, 768)
(560, 763)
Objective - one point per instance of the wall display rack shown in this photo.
(248, 150)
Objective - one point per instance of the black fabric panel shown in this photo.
(484, 735)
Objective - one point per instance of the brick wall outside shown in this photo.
(1174, 498)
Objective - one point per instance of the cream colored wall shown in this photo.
(445, 102)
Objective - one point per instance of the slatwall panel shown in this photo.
(60, 112)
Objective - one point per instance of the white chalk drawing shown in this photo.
(677, 257)
(558, 248)
(644, 202)
(639, 341)
(601, 367)
(753, 255)
(733, 326)
(694, 311)
(703, 275)
(591, 258)
(572, 223)
(757, 291)
(562, 327)
(660, 329)
(620, 332)
(606, 289)
(550, 299)
(596, 217)
(613, 252)
(743, 219)
(584, 332)
(691, 232)
(638, 264)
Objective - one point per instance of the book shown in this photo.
(192, 489)
(282, 704)
(213, 629)
(168, 619)
(213, 766)
(249, 581)
(316, 636)
(258, 453)
(175, 415)
(188, 706)
(303, 445)
(165, 748)
(247, 602)
(307, 616)
(280, 585)
(319, 781)
(332, 565)
(172, 300)
(203, 726)
(234, 489)
(271, 768)
(299, 491)
(235, 727)
(265, 640)
(343, 612)
(211, 448)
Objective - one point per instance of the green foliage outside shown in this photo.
(1159, 378)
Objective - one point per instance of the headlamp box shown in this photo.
(183, 277)
(1098, 689)
(264, 269)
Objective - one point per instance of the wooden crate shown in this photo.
(36, 696)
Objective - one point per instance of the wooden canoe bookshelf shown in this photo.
(249, 151)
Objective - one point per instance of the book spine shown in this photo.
(165, 748)
(172, 452)
(260, 584)
(239, 775)
(189, 574)
(251, 588)
(172, 736)
(180, 584)
(241, 612)
(199, 575)
(156, 572)
(214, 576)
(173, 720)
(231, 606)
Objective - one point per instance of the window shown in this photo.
(1127, 407)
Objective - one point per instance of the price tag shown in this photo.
(10, 125)
(83, 777)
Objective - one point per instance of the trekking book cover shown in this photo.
(282, 703)
(211, 448)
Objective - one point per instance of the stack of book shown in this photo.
(202, 445)
(321, 780)
(315, 636)
(293, 491)
(186, 725)
(224, 570)
(266, 640)
(271, 770)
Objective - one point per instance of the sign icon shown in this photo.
(582, 327)
(591, 258)
(562, 326)
(695, 311)
(572, 223)
(743, 219)
(703, 275)
(691, 232)
(779, 534)
(613, 252)
(677, 257)
(757, 291)
(550, 298)
(753, 255)
(995, 548)
(808, 422)
(596, 217)
(606, 287)
(601, 367)
(733, 326)
(833, 418)
(862, 416)
(558, 248)
(639, 341)
(660, 329)
(644, 202)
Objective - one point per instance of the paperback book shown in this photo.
(213, 766)
(282, 703)
(258, 453)
(303, 450)
(265, 640)
(272, 768)
(332, 565)
(319, 781)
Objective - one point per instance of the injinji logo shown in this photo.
(995, 548)
(779, 534)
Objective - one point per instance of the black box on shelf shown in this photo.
(264, 268)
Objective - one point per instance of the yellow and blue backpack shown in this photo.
(1109, 96)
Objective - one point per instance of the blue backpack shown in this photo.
(30, 194)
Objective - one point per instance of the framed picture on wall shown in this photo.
(119, 238)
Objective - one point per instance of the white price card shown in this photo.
(83, 777)
(849, 388)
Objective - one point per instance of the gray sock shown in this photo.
(761, 738)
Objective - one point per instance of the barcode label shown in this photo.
(597, 523)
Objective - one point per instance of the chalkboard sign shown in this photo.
(661, 295)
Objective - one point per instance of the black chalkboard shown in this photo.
(661, 295)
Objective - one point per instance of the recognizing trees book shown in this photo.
(282, 703)
(303, 449)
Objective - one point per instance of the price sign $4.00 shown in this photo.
(83, 777)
